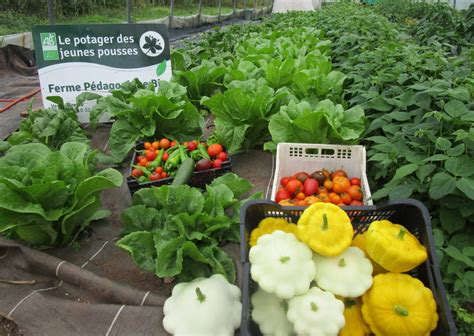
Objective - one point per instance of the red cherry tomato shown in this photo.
(302, 176)
(216, 163)
(338, 172)
(300, 196)
(154, 177)
(223, 156)
(137, 172)
(165, 143)
(355, 181)
(150, 155)
(355, 192)
(282, 195)
(214, 150)
(311, 186)
(165, 156)
(192, 146)
(285, 180)
(346, 198)
(294, 186)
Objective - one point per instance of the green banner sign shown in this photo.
(76, 58)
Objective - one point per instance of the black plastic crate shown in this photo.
(410, 213)
(198, 180)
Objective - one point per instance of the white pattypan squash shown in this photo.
(348, 274)
(203, 307)
(281, 264)
(316, 313)
(269, 312)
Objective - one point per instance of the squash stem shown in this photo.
(349, 303)
(325, 223)
(284, 259)
(400, 310)
(401, 234)
(314, 306)
(342, 263)
(200, 296)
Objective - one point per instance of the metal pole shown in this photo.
(263, 4)
(129, 11)
(234, 5)
(219, 11)
(245, 4)
(254, 8)
(199, 12)
(50, 12)
(171, 12)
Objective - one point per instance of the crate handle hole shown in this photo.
(312, 151)
(328, 151)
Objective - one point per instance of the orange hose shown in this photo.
(13, 102)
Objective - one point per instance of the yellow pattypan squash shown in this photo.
(326, 228)
(268, 225)
(393, 247)
(360, 241)
(355, 324)
(399, 305)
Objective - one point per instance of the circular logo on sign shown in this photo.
(152, 43)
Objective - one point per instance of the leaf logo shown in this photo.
(152, 43)
(161, 68)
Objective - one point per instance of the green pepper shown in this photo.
(142, 179)
(173, 161)
(157, 161)
(182, 153)
(196, 155)
(171, 150)
(203, 151)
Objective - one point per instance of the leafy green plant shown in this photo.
(202, 80)
(142, 113)
(49, 197)
(324, 122)
(178, 231)
(52, 127)
(242, 113)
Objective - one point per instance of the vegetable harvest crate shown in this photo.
(295, 157)
(410, 213)
(199, 179)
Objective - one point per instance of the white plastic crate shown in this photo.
(292, 158)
